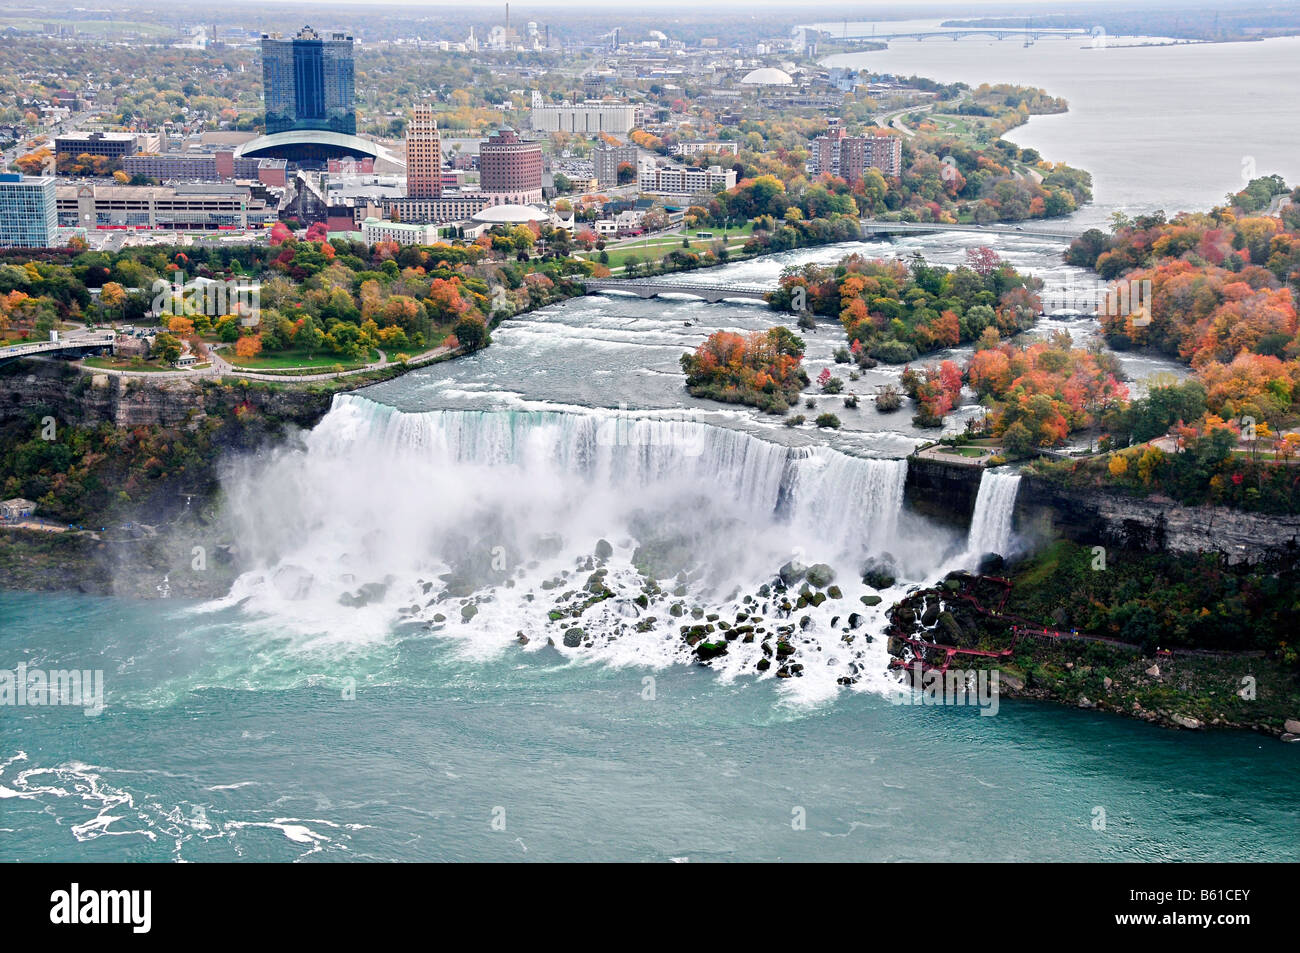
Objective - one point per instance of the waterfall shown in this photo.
(836, 497)
(590, 531)
(990, 526)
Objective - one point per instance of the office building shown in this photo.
(423, 156)
(404, 233)
(308, 83)
(198, 167)
(27, 211)
(113, 145)
(449, 208)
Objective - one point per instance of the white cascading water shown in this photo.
(995, 504)
(362, 528)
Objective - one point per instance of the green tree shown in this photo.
(1017, 439)
(167, 347)
(472, 333)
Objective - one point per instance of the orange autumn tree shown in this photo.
(762, 369)
(1251, 385)
(936, 391)
(1048, 388)
(248, 347)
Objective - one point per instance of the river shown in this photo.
(1173, 127)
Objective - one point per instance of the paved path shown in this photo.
(220, 367)
(944, 454)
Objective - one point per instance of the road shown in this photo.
(895, 117)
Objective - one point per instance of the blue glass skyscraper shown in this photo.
(308, 82)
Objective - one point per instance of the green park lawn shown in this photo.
(293, 360)
(656, 249)
(971, 452)
(652, 249)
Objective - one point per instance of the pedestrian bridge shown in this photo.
(649, 288)
(872, 226)
(77, 345)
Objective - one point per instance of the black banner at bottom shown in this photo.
(330, 902)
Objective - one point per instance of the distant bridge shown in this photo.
(1005, 33)
(78, 345)
(871, 226)
(649, 288)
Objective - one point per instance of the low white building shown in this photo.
(376, 230)
(688, 149)
(624, 223)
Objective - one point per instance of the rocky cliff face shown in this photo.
(75, 398)
(1101, 517)
(940, 489)
(1108, 518)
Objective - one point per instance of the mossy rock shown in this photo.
(573, 637)
(878, 579)
(820, 575)
(869, 600)
(709, 650)
(949, 625)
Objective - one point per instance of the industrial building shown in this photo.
(586, 118)
(215, 167)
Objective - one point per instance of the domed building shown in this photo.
(767, 76)
(509, 215)
(506, 215)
